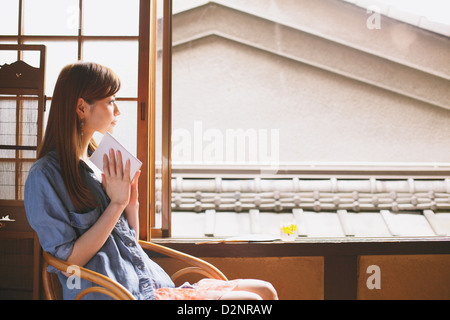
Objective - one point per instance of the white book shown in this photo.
(109, 142)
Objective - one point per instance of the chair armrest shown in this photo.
(110, 287)
(208, 269)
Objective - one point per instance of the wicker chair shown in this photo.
(53, 289)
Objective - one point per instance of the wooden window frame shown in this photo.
(146, 127)
(144, 100)
(145, 146)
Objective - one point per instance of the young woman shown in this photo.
(91, 219)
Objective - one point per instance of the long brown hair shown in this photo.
(89, 81)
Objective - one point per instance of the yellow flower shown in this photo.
(289, 230)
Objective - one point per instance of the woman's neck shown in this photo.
(85, 145)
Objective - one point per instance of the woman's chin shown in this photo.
(110, 130)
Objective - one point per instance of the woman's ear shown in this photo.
(81, 108)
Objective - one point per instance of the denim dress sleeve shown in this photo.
(48, 214)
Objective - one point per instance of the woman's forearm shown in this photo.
(132, 210)
(132, 213)
(91, 241)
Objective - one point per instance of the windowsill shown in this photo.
(310, 246)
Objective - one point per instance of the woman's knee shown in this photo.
(262, 288)
(267, 291)
(240, 295)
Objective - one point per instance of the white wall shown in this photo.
(293, 68)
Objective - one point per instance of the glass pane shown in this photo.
(18, 127)
(224, 114)
(9, 17)
(7, 127)
(111, 17)
(7, 180)
(60, 54)
(51, 17)
(8, 56)
(158, 118)
(121, 57)
(245, 95)
(25, 169)
(29, 127)
(126, 129)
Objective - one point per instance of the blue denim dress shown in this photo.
(52, 215)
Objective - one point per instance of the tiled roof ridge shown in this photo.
(297, 184)
(281, 195)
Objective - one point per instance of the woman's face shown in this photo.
(102, 116)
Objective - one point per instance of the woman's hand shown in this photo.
(132, 210)
(116, 180)
(134, 194)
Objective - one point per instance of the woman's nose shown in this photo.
(116, 110)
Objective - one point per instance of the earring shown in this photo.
(82, 127)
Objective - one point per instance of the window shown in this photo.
(122, 35)
(238, 109)
(106, 32)
(94, 39)
(266, 121)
